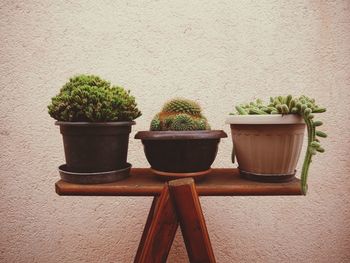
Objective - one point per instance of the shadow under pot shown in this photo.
(179, 154)
(267, 147)
(95, 152)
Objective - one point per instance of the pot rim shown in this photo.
(265, 119)
(180, 135)
(93, 124)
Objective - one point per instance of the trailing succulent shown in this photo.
(179, 115)
(302, 106)
(92, 99)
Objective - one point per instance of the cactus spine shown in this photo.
(182, 106)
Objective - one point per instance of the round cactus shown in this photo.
(201, 124)
(179, 115)
(155, 123)
(183, 106)
(183, 122)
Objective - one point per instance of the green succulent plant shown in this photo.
(179, 115)
(303, 106)
(182, 106)
(92, 99)
(182, 122)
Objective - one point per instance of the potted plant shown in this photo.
(180, 142)
(267, 138)
(95, 120)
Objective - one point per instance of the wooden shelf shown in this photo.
(220, 182)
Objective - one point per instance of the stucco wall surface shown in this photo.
(217, 52)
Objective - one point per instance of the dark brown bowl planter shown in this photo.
(180, 153)
(95, 147)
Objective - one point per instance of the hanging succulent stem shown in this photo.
(302, 106)
(309, 153)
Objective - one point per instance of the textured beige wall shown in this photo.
(218, 52)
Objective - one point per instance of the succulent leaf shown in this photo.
(241, 110)
(284, 109)
(319, 110)
(315, 144)
(320, 149)
(257, 111)
(321, 134)
(317, 123)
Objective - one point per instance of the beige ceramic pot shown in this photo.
(267, 147)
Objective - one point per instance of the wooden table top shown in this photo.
(220, 182)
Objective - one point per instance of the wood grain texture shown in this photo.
(146, 228)
(220, 182)
(194, 231)
(159, 232)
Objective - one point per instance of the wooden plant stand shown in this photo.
(176, 203)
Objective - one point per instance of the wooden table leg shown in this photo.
(193, 227)
(159, 231)
(146, 228)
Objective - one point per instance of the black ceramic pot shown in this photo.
(180, 151)
(95, 147)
